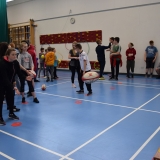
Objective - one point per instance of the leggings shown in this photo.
(30, 85)
(73, 70)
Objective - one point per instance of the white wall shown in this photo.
(132, 24)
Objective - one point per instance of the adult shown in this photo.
(150, 57)
(9, 67)
(74, 64)
(101, 57)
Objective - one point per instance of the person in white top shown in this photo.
(85, 67)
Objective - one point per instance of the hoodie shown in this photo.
(50, 58)
(31, 51)
(8, 70)
(131, 51)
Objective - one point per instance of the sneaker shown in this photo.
(47, 80)
(146, 75)
(80, 91)
(151, 75)
(35, 100)
(128, 77)
(132, 76)
(51, 80)
(158, 77)
(101, 78)
(111, 78)
(89, 93)
(23, 100)
(15, 109)
(73, 85)
(13, 116)
(116, 78)
(36, 80)
(2, 122)
(44, 77)
(29, 94)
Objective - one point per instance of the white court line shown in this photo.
(54, 84)
(6, 156)
(107, 81)
(103, 103)
(146, 142)
(35, 145)
(98, 135)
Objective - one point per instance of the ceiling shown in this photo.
(15, 2)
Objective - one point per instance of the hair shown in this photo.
(46, 50)
(117, 39)
(112, 38)
(75, 42)
(132, 44)
(98, 41)
(8, 52)
(42, 49)
(12, 45)
(3, 48)
(21, 45)
(25, 41)
(151, 42)
(49, 48)
(79, 46)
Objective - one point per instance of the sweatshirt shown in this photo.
(8, 70)
(50, 58)
(131, 51)
(25, 60)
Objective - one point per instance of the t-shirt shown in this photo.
(151, 51)
(25, 60)
(55, 62)
(115, 49)
(84, 57)
(100, 52)
(75, 61)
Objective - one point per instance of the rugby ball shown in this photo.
(43, 87)
(90, 77)
(32, 73)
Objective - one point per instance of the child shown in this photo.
(115, 57)
(55, 64)
(41, 61)
(85, 67)
(158, 71)
(25, 60)
(130, 53)
(150, 57)
(49, 61)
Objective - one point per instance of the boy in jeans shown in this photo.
(115, 58)
(85, 67)
(41, 61)
(49, 61)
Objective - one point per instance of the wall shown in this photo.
(133, 21)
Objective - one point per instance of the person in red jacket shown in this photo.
(130, 53)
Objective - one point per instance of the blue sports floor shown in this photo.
(120, 121)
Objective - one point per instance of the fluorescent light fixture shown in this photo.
(9, 0)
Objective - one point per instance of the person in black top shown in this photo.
(74, 64)
(9, 67)
(101, 57)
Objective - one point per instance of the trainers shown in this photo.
(89, 93)
(101, 78)
(80, 91)
(132, 76)
(13, 116)
(2, 122)
(111, 78)
(150, 75)
(116, 78)
(29, 94)
(35, 100)
(51, 80)
(23, 100)
(158, 77)
(36, 80)
(47, 80)
(15, 109)
(44, 77)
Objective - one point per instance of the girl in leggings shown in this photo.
(25, 60)
(74, 64)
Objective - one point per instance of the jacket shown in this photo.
(50, 58)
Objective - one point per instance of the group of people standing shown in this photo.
(150, 57)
